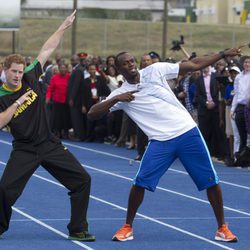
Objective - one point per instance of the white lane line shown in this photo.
(235, 185)
(159, 188)
(164, 189)
(50, 228)
(122, 219)
(166, 225)
(144, 216)
(129, 159)
(224, 182)
(47, 226)
(5, 142)
(138, 214)
(96, 151)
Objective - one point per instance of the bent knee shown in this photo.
(84, 181)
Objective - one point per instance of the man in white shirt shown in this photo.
(149, 101)
(241, 97)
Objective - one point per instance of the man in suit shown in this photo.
(208, 109)
(76, 79)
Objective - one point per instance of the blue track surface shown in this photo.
(175, 217)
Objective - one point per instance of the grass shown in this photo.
(105, 37)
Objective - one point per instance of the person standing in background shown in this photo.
(57, 92)
(241, 97)
(74, 98)
(231, 128)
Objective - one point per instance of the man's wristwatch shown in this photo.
(222, 54)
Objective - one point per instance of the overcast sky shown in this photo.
(9, 9)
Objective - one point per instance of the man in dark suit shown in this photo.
(208, 109)
(78, 118)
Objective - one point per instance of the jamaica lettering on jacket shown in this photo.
(32, 97)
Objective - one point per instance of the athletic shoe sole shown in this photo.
(226, 240)
(128, 238)
(81, 239)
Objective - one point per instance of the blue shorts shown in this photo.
(191, 150)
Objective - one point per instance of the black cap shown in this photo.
(153, 54)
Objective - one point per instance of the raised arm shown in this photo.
(198, 63)
(51, 44)
(7, 114)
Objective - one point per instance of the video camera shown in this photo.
(177, 43)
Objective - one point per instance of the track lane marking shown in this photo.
(39, 222)
(129, 159)
(144, 216)
(164, 189)
(160, 188)
(138, 214)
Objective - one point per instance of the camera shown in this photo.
(193, 55)
(176, 44)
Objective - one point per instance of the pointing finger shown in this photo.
(74, 12)
(134, 91)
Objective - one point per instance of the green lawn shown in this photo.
(105, 37)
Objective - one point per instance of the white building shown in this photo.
(222, 11)
(156, 6)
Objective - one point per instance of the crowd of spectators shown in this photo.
(218, 99)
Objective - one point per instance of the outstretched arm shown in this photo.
(6, 115)
(51, 44)
(198, 63)
(98, 110)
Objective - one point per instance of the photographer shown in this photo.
(177, 46)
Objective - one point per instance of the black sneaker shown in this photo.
(82, 236)
(138, 158)
(229, 162)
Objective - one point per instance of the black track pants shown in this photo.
(61, 164)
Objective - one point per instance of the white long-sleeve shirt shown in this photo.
(241, 89)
